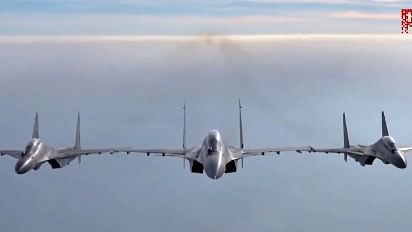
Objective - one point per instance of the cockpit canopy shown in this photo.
(389, 143)
(214, 143)
(31, 146)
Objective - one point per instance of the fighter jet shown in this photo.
(214, 156)
(37, 152)
(384, 149)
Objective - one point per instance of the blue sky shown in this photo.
(134, 17)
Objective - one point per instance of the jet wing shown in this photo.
(337, 151)
(405, 149)
(358, 156)
(181, 153)
(13, 153)
(69, 153)
(242, 153)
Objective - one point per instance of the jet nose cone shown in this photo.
(212, 168)
(22, 166)
(213, 175)
(400, 162)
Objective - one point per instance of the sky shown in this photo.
(188, 17)
(128, 66)
(130, 93)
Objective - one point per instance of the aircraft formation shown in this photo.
(213, 157)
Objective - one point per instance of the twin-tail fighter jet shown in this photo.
(384, 149)
(214, 157)
(37, 152)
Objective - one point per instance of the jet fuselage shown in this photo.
(35, 151)
(35, 154)
(214, 155)
(385, 150)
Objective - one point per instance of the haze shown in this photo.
(130, 93)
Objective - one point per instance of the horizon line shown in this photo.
(191, 37)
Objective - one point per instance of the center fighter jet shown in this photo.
(37, 152)
(214, 156)
(384, 149)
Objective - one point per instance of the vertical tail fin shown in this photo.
(345, 137)
(184, 131)
(35, 134)
(77, 139)
(184, 126)
(240, 130)
(384, 126)
(240, 126)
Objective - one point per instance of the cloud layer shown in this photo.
(50, 17)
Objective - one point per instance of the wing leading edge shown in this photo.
(13, 153)
(69, 153)
(405, 150)
(242, 153)
(180, 153)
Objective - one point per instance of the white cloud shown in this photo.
(209, 38)
(365, 15)
(123, 24)
(135, 24)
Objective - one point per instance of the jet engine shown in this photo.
(231, 166)
(196, 167)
